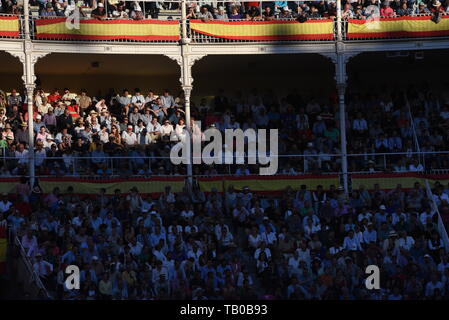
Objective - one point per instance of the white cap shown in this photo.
(39, 117)
(100, 5)
(285, 8)
(382, 207)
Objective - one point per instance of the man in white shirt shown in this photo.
(425, 215)
(415, 166)
(167, 100)
(29, 242)
(42, 267)
(405, 242)
(366, 215)
(138, 99)
(352, 243)
(166, 130)
(22, 154)
(129, 137)
(359, 125)
(154, 131)
(262, 248)
(5, 204)
(370, 235)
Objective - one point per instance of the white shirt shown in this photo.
(259, 251)
(254, 240)
(39, 157)
(5, 206)
(166, 130)
(423, 216)
(406, 243)
(352, 244)
(360, 124)
(22, 156)
(417, 168)
(129, 137)
(43, 268)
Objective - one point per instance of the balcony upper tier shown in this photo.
(169, 31)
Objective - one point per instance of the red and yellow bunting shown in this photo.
(268, 184)
(93, 29)
(9, 26)
(143, 185)
(399, 27)
(387, 181)
(266, 30)
(258, 184)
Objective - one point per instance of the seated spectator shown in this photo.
(99, 12)
(205, 15)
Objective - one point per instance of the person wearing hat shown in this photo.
(436, 6)
(21, 135)
(221, 14)
(285, 13)
(370, 234)
(48, 11)
(137, 13)
(129, 137)
(99, 12)
(43, 268)
(422, 9)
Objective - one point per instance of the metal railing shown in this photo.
(34, 35)
(383, 35)
(440, 225)
(105, 166)
(197, 37)
(25, 273)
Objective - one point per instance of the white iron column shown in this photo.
(29, 79)
(184, 22)
(187, 90)
(339, 21)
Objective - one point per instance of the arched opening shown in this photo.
(99, 72)
(11, 72)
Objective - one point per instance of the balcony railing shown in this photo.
(217, 31)
(102, 166)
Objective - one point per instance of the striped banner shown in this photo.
(266, 30)
(9, 26)
(268, 184)
(387, 181)
(399, 27)
(258, 184)
(84, 186)
(93, 29)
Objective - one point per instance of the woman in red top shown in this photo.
(74, 109)
(54, 97)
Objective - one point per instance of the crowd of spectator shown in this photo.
(132, 133)
(300, 244)
(249, 10)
